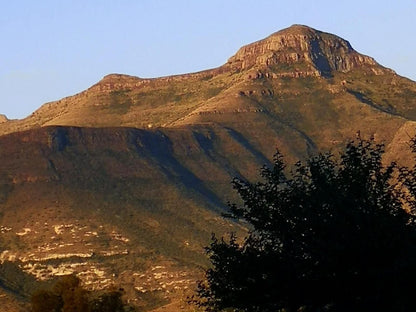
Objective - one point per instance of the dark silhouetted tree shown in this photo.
(332, 234)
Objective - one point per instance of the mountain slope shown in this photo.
(124, 182)
(257, 73)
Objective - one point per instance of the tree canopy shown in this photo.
(68, 295)
(331, 234)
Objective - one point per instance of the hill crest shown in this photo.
(121, 100)
(322, 53)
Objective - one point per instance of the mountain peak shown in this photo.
(113, 82)
(298, 29)
(308, 50)
(128, 101)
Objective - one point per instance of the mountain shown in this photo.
(124, 182)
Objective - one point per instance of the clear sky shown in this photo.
(54, 48)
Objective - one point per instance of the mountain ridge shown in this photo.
(297, 51)
(124, 182)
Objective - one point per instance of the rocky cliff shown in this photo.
(320, 52)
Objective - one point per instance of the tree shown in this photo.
(108, 302)
(330, 235)
(46, 301)
(68, 295)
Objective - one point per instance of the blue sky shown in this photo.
(51, 49)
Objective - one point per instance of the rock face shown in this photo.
(323, 52)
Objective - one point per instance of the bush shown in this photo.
(331, 235)
(68, 295)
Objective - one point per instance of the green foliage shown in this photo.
(108, 302)
(45, 301)
(119, 101)
(332, 235)
(68, 295)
